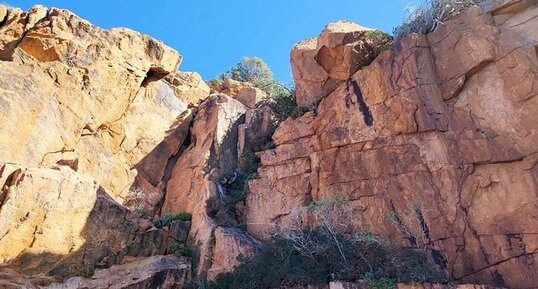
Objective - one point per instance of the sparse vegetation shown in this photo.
(284, 105)
(83, 269)
(319, 257)
(167, 219)
(429, 15)
(412, 225)
(316, 205)
(181, 250)
(377, 35)
(254, 70)
(238, 190)
(222, 211)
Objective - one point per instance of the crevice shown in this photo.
(154, 74)
(495, 264)
(171, 163)
(410, 237)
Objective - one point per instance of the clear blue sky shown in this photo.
(214, 35)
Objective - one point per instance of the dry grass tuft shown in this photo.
(428, 16)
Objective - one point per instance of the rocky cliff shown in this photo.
(432, 145)
(105, 148)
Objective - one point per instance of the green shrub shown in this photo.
(426, 17)
(314, 205)
(183, 216)
(223, 210)
(284, 104)
(167, 219)
(317, 257)
(377, 35)
(371, 282)
(280, 98)
(181, 250)
(253, 70)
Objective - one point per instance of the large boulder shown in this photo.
(345, 47)
(320, 64)
(230, 245)
(312, 82)
(96, 100)
(251, 96)
(58, 222)
(432, 145)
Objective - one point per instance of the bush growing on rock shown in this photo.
(255, 71)
(427, 16)
(181, 250)
(167, 219)
(317, 257)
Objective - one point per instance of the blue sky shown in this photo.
(214, 35)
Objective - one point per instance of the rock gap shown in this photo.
(154, 74)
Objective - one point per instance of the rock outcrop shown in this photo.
(91, 119)
(432, 145)
(58, 222)
(96, 100)
(319, 65)
(230, 244)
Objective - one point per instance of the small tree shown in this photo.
(280, 98)
(253, 70)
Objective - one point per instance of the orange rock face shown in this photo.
(320, 64)
(96, 100)
(230, 243)
(433, 145)
(56, 221)
(212, 154)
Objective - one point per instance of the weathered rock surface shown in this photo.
(312, 83)
(58, 222)
(434, 144)
(228, 86)
(212, 155)
(90, 98)
(165, 272)
(319, 65)
(255, 134)
(230, 243)
(251, 96)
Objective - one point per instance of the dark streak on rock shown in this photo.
(439, 259)
(412, 239)
(498, 279)
(363, 107)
